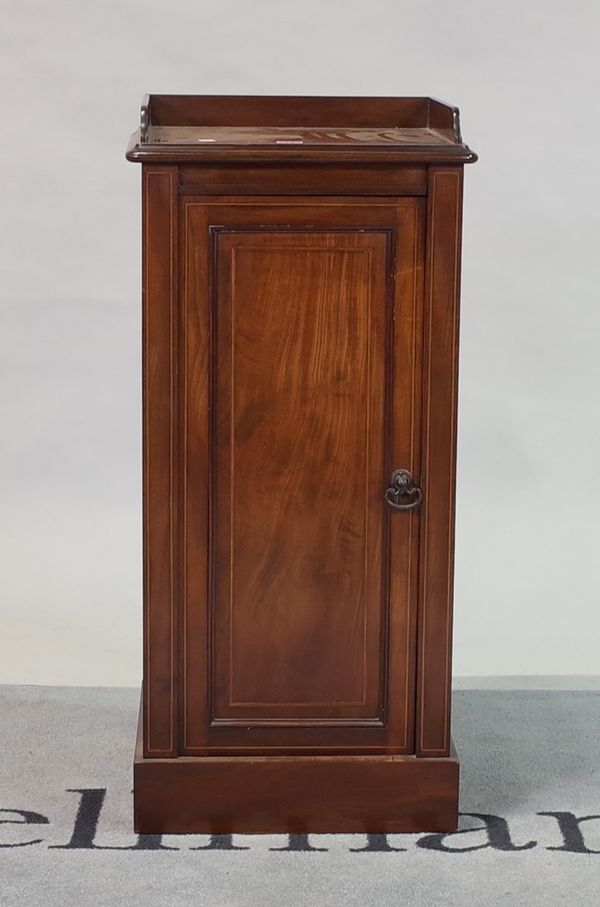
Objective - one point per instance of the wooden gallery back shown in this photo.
(300, 332)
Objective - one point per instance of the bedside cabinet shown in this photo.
(301, 262)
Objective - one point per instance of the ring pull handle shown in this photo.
(402, 493)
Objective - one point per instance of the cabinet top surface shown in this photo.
(207, 128)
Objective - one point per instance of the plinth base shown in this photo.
(294, 794)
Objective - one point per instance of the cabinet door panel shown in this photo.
(300, 338)
(298, 470)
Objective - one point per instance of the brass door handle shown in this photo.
(402, 493)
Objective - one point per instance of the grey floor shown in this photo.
(65, 817)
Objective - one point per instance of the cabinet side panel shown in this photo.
(159, 224)
(439, 460)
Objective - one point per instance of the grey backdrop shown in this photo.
(525, 76)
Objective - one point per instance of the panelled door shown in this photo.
(300, 338)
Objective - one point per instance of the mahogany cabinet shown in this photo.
(300, 327)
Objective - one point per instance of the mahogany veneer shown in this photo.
(300, 332)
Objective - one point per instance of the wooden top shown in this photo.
(208, 128)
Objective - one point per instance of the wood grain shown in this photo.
(314, 327)
(227, 128)
(298, 460)
(300, 342)
(295, 794)
(159, 216)
(311, 179)
(439, 461)
(273, 111)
